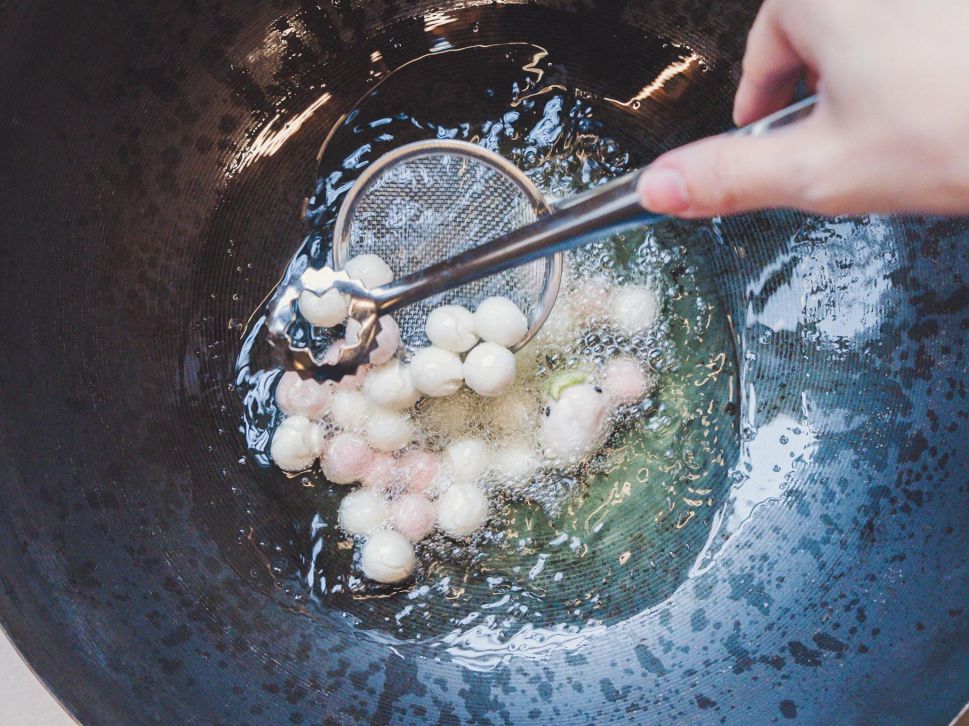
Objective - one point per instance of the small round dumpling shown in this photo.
(634, 309)
(387, 556)
(498, 320)
(387, 342)
(349, 409)
(298, 396)
(388, 430)
(489, 369)
(586, 404)
(574, 423)
(371, 270)
(419, 470)
(345, 458)
(436, 372)
(381, 473)
(413, 516)
(462, 510)
(469, 459)
(296, 443)
(624, 381)
(323, 311)
(390, 386)
(451, 327)
(363, 511)
(515, 463)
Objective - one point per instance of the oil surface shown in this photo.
(603, 542)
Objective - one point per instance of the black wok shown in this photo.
(154, 161)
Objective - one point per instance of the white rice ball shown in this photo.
(634, 309)
(451, 327)
(514, 463)
(388, 430)
(489, 369)
(413, 516)
(387, 342)
(363, 511)
(345, 458)
(469, 459)
(462, 510)
(436, 372)
(498, 320)
(298, 396)
(624, 381)
(296, 443)
(387, 556)
(575, 423)
(323, 311)
(371, 270)
(390, 386)
(349, 409)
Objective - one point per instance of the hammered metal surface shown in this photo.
(152, 164)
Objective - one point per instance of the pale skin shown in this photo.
(890, 132)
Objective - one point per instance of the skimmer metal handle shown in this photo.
(607, 209)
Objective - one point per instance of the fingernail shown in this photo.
(664, 191)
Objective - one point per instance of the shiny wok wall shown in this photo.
(833, 587)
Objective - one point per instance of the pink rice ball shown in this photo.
(381, 473)
(297, 396)
(624, 381)
(419, 470)
(413, 515)
(346, 458)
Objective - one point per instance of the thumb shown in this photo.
(729, 174)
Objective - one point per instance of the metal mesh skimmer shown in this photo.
(428, 201)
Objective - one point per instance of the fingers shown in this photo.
(730, 174)
(772, 67)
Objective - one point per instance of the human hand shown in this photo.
(890, 133)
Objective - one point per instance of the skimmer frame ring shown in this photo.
(427, 201)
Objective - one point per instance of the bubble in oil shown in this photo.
(627, 497)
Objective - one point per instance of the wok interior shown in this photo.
(155, 163)
(579, 547)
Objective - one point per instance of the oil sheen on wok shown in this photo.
(568, 547)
